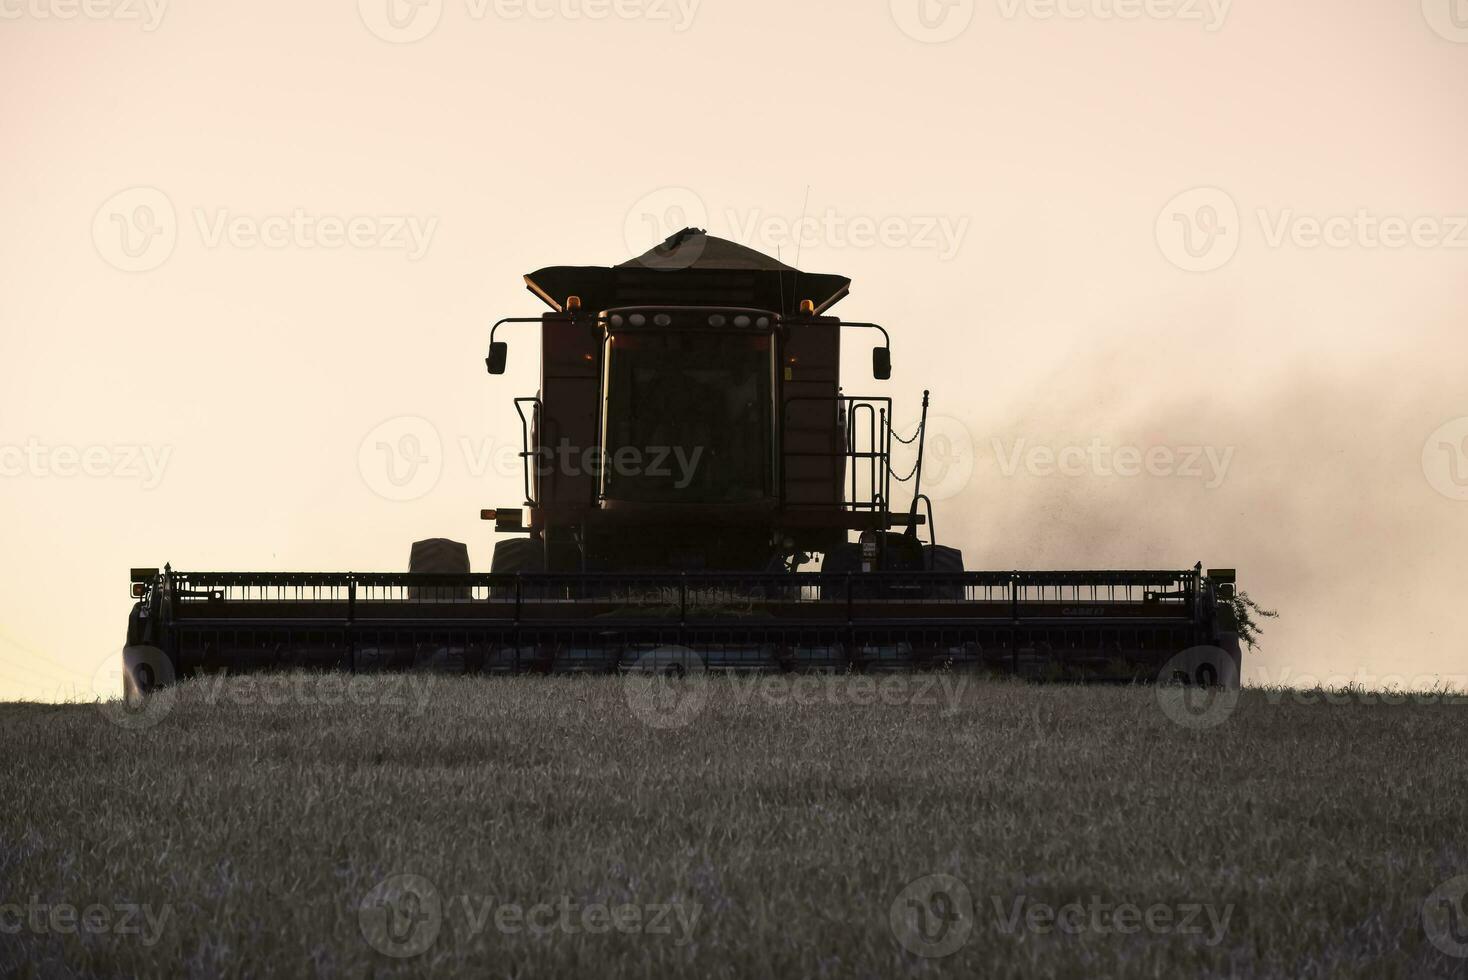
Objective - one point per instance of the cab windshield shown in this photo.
(687, 417)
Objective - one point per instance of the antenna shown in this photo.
(798, 241)
(780, 276)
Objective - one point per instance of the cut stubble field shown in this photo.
(762, 826)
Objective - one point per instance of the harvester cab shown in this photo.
(691, 417)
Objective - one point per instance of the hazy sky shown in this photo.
(1220, 246)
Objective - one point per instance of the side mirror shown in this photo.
(881, 363)
(499, 352)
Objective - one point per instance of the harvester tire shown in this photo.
(840, 560)
(514, 556)
(439, 556)
(517, 555)
(939, 558)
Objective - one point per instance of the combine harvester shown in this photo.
(689, 455)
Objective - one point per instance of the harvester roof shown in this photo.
(691, 268)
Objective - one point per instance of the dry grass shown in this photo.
(789, 826)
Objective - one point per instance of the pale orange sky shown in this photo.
(1031, 270)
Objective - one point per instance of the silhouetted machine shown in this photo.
(689, 461)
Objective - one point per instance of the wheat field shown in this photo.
(761, 826)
